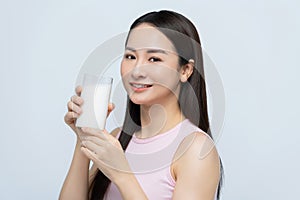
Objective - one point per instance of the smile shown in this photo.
(138, 87)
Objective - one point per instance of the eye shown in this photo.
(154, 59)
(129, 56)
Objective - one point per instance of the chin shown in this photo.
(140, 101)
(137, 101)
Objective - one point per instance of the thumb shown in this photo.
(113, 140)
(88, 153)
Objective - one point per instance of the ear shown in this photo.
(187, 70)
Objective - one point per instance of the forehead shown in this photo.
(146, 36)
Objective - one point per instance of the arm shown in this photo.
(125, 185)
(108, 156)
(197, 171)
(79, 177)
(76, 183)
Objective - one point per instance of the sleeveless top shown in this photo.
(150, 160)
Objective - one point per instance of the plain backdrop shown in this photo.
(255, 45)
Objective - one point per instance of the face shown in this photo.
(150, 67)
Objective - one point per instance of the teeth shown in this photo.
(140, 85)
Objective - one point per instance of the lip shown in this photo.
(140, 87)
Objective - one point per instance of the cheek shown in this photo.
(123, 68)
(165, 76)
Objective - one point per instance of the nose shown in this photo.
(138, 71)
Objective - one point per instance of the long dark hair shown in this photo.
(195, 109)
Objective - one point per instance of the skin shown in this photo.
(196, 178)
(143, 62)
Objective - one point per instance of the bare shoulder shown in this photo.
(196, 165)
(196, 145)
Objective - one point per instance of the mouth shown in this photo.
(140, 86)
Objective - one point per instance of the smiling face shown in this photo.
(150, 67)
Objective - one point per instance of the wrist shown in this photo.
(78, 153)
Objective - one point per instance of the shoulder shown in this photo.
(196, 165)
(196, 144)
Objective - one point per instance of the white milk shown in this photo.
(94, 109)
(101, 101)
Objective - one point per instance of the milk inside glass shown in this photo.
(95, 94)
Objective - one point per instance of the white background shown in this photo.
(255, 45)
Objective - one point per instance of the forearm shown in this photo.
(76, 183)
(125, 186)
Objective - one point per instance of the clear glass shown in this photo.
(95, 93)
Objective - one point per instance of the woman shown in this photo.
(164, 149)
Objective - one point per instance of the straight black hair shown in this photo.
(195, 109)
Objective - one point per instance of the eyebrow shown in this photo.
(149, 50)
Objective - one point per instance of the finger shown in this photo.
(74, 108)
(93, 147)
(111, 106)
(104, 131)
(93, 139)
(91, 155)
(111, 139)
(94, 132)
(78, 90)
(70, 116)
(77, 100)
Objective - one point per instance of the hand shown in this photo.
(74, 110)
(106, 152)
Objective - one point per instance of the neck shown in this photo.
(158, 118)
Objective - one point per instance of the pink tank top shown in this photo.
(150, 160)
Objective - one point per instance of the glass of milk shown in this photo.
(95, 93)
